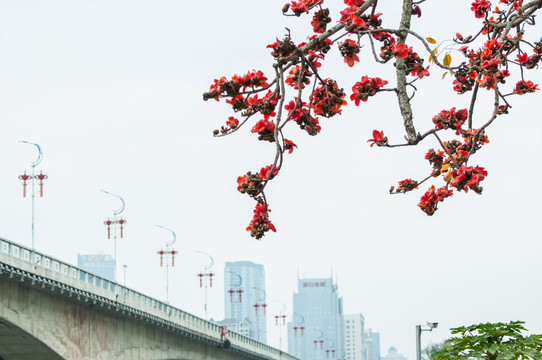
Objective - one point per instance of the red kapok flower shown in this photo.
(264, 172)
(524, 87)
(451, 119)
(232, 122)
(349, 50)
(522, 58)
(366, 87)
(406, 186)
(260, 223)
(289, 145)
(480, 7)
(378, 138)
(429, 200)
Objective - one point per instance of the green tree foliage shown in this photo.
(491, 341)
(431, 349)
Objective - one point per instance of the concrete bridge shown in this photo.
(51, 310)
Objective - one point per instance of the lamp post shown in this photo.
(167, 253)
(259, 303)
(204, 275)
(32, 178)
(113, 223)
(298, 327)
(280, 320)
(419, 328)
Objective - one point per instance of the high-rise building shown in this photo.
(372, 345)
(317, 327)
(354, 333)
(102, 265)
(245, 299)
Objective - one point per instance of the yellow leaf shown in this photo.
(447, 60)
(430, 40)
(444, 75)
(444, 167)
(435, 53)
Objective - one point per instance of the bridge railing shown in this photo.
(56, 270)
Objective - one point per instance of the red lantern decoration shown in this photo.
(211, 279)
(24, 179)
(108, 223)
(161, 253)
(121, 222)
(41, 177)
(173, 252)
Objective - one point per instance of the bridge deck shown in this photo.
(26, 265)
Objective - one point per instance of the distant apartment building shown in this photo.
(372, 345)
(102, 265)
(245, 299)
(354, 332)
(317, 327)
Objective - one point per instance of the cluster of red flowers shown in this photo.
(300, 7)
(260, 223)
(473, 140)
(524, 87)
(282, 48)
(251, 183)
(265, 130)
(366, 87)
(320, 20)
(225, 87)
(467, 177)
(486, 67)
(428, 202)
(480, 8)
(299, 112)
(390, 50)
(405, 186)
(465, 79)
(349, 50)
(450, 119)
(298, 76)
(350, 17)
(436, 159)
(327, 99)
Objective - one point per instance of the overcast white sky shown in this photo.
(111, 90)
